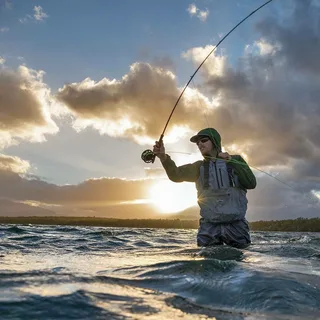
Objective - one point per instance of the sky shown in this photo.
(86, 86)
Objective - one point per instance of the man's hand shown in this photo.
(159, 150)
(224, 156)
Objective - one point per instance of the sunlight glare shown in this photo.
(316, 193)
(170, 197)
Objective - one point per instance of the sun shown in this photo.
(170, 197)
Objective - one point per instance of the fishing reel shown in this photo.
(148, 156)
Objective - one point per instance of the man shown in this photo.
(222, 181)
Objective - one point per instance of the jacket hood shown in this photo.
(211, 133)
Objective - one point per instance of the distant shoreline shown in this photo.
(297, 225)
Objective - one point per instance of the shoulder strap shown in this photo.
(206, 173)
(230, 174)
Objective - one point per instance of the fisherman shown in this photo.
(222, 181)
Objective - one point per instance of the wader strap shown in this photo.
(230, 175)
(206, 164)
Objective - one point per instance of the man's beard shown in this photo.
(212, 153)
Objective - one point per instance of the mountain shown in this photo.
(191, 213)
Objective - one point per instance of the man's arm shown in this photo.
(188, 172)
(244, 173)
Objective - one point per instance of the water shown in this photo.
(61, 272)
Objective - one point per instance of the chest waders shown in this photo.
(220, 195)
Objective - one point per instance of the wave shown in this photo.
(14, 229)
(26, 238)
(226, 288)
(121, 273)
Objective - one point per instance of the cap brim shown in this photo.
(195, 138)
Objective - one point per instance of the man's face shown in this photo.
(205, 146)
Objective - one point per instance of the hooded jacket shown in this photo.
(221, 185)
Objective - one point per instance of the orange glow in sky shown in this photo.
(170, 197)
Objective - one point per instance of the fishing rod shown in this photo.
(148, 156)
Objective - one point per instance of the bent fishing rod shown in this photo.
(148, 156)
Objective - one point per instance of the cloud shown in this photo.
(192, 9)
(26, 19)
(134, 107)
(15, 209)
(105, 197)
(4, 29)
(215, 66)
(275, 201)
(26, 106)
(38, 15)
(201, 14)
(298, 36)
(2, 60)
(101, 191)
(163, 62)
(13, 164)
(146, 54)
(266, 48)
(118, 197)
(269, 102)
(262, 47)
(266, 106)
(154, 172)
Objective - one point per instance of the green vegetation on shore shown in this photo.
(300, 224)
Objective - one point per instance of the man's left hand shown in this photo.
(224, 156)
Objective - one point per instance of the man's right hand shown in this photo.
(159, 150)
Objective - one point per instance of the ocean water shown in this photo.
(62, 272)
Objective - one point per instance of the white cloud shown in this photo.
(133, 107)
(262, 47)
(14, 164)
(26, 106)
(4, 29)
(2, 60)
(214, 66)
(25, 19)
(265, 47)
(192, 9)
(38, 15)
(201, 14)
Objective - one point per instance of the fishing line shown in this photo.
(245, 164)
(242, 164)
(148, 155)
(188, 153)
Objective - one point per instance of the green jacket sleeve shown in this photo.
(244, 173)
(188, 172)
